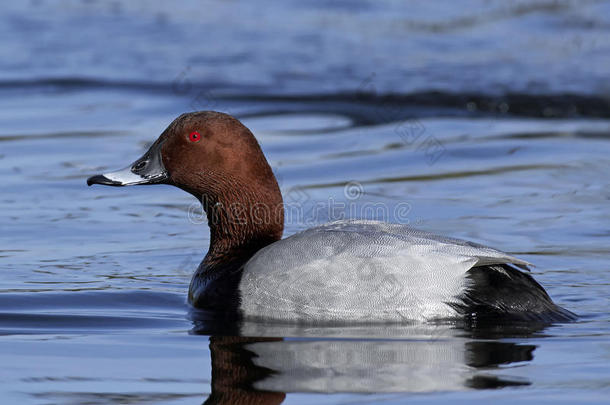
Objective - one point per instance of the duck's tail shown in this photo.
(500, 292)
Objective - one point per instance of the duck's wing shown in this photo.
(363, 271)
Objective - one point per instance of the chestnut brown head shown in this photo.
(216, 158)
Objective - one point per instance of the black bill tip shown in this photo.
(101, 179)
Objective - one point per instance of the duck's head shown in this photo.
(216, 158)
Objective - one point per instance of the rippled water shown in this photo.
(444, 125)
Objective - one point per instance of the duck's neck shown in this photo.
(242, 220)
(241, 224)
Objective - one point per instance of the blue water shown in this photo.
(485, 120)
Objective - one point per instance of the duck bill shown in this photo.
(148, 169)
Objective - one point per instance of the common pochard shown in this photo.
(345, 271)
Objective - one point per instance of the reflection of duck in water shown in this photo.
(234, 373)
(262, 370)
(345, 271)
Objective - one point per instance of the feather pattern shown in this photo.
(362, 271)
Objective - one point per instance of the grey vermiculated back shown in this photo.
(362, 271)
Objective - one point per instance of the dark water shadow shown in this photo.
(61, 135)
(95, 312)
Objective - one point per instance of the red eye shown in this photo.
(195, 136)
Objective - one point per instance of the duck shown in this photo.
(347, 271)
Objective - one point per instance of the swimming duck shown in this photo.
(344, 271)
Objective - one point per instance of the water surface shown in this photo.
(485, 142)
